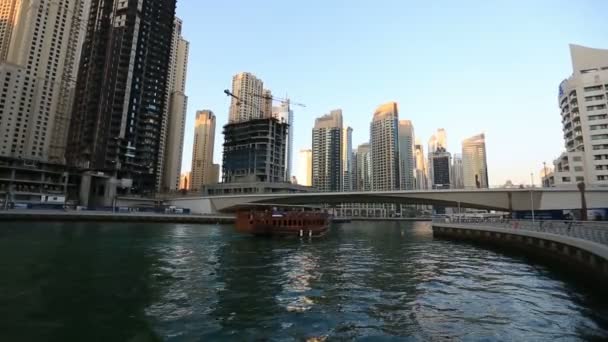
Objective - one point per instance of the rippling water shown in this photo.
(140, 282)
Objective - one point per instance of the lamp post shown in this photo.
(532, 195)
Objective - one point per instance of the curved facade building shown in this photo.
(583, 103)
(384, 144)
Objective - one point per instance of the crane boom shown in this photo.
(278, 99)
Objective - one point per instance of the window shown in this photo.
(580, 179)
(565, 179)
(594, 88)
(578, 168)
(599, 136)
(578, 159)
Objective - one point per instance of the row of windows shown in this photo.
(599, 136)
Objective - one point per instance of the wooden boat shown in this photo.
(275, 220)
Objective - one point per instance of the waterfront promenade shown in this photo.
(575, 242)
(108, 216)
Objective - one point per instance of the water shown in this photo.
(147, 282)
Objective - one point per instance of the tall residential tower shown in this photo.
(202, 153)
(406, 155)
(40, 44)
(385, 148)
(117, 121)
(583, 100)
(176, 109)
(327, 135)
(474, 164)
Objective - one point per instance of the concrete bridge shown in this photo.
(490, 199)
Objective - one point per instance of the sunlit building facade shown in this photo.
(421, 168)
(363, 161)
(202, 151)
(385, 148)
(583, 101)
(457, 172)
(327, 161)
(304, 173)
(251, 103)
(474, 162)
(406, 155)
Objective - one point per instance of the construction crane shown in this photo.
(286, 101)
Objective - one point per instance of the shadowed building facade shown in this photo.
(120, 107)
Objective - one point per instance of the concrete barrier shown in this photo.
(591, 256)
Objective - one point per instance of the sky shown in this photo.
(465, 66)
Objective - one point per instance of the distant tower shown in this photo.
(385, 148)
(304, 174)
(457, 172)
(475, 167)
(406, 155)
(347, 159)
(284, 113)
(202, 152)
(252, 105)
(363, 172)
(421, 167)
(327, 173)
(177, 109)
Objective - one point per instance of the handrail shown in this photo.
(595, 231)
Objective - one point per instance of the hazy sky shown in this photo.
(466, 66)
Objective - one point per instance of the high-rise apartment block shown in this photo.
(474, 164)
(440, 165)
(284, 114)
(385, 148)
(421, 171)
(327, 149)
(120, 107)
(40, 44)
(251, 103)
(347, 159)
(9, 10)
(304, 174)
(457, 172)
(406, 155)
(363, 167)
(202, 153)
(583, 100)
(175, 120)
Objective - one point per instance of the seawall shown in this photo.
(579, 254)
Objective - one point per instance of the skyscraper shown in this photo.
(437, 140)
(120, 107)
(384, 148)
(347, 159)
(327, 173)
(406, 155)
(363, 181)
(421, 168)
(304, 174)
(252, 104)
(202, 152)
(40, 43)
(583, 100)
(177, 109)
(475, 167)
(457, 172)
(440, 164)
(284, 113)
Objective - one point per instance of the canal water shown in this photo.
(182, 282)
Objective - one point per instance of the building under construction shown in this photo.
(254, 151)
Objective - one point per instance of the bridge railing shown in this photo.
(595, 231)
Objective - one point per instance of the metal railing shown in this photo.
(595, 231)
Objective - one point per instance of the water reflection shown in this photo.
(111, 282)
